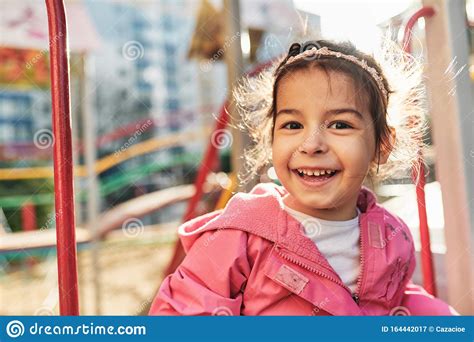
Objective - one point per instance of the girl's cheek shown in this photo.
(276, 154)
(356, 154)
(281, 155)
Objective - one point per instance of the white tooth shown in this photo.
(316, 173)
(322, 172)
(309, 172)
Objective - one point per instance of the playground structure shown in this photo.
(459, 241)
(110, 220)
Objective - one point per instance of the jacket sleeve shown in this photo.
(210, 279)
(419, 302)
(415, 299)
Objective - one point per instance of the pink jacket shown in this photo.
(252, 258)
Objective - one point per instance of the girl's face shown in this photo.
(322, 123)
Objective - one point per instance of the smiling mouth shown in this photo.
(315, 176)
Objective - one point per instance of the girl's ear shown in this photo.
(386, 150)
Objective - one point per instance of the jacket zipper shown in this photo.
(354, 295)
(309, 268)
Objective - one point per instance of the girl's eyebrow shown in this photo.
(345, 110)
(292, 111)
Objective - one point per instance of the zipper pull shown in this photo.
(356, 298)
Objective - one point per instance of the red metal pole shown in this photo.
(63, 172)
(28, 217)
(429, 282)
(28, 223)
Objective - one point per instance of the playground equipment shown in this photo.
(109, 184)
(109, 161)
(63, 175)
(426, 256)
(125, 131)
(113, 219)
(450, 95)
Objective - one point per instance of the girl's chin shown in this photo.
(307, 204)
(316, 204)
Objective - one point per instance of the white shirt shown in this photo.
(338, 241)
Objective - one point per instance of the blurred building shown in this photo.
(25, 99)
(15, 127)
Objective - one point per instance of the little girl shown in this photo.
(319, 244)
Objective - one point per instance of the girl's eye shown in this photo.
(292, 125)
(340, 125)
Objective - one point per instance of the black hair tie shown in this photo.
(295, 49)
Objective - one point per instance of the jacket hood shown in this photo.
(243, 210)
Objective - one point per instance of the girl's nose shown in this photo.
(314, 143)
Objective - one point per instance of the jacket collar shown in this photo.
(261, 212)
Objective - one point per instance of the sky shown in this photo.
(354, 20)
